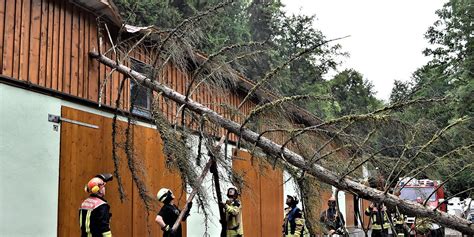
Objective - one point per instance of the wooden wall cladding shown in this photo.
(46, 43)
(86, 152)
(262, 196)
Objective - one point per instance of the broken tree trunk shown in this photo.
(293, 158)
(193, 193)
(191, 196)
(215, 176)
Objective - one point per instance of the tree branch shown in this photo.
(294, 159)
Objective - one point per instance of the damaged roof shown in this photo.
(104, 8)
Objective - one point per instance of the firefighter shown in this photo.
(378, 219)
(293, 224)
(233, 213)
(94, 214)
(399, 219)
(169, 213)
(332, 219)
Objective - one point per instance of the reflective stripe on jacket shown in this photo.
(378, 223)
(94, 217)
(294, 223)
(233, 213)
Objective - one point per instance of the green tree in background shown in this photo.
(449, 75)
(148, 12)
(353, 94)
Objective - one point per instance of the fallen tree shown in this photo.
(270, 147)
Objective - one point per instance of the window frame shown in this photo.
(140, 66)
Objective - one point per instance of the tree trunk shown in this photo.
(294, 159)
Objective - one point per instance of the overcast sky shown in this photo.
(386, 36)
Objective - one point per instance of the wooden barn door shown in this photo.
(86, 151)
(262, 196)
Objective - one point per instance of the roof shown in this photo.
(105, 8)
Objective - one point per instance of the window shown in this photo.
(412, 193)
(140, 96)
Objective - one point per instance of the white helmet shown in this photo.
(163, 193)
(235, 192)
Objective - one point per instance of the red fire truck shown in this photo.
(419, 191)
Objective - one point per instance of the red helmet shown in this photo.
(95, 185)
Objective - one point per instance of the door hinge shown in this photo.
(58, 119)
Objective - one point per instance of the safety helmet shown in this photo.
(294, 199)
(94, 185)
(105, 176)
(332, 202)
(163, 194)
(235, 191)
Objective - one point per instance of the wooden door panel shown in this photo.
(262, 195)
(86, 152)
(271, 183)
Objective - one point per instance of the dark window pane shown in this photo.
(140, 96)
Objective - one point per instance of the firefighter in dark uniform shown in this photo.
(94, 214)
(398, 219)
(169, 213)
(293, 224)
(332, 219)
(233, 213)
(378, 219)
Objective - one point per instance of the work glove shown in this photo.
(166, 229)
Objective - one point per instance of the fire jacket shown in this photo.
(379, 218)
(170, 214)
(332, 219)
(293, 225)
(94, 217)
(233, 213)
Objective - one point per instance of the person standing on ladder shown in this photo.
(169, 213)
(294, 223)
(94, 214)
(233, 212)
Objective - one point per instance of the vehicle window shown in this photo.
(412, 193)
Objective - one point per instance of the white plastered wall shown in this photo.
(196, 221)
(29, 158)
